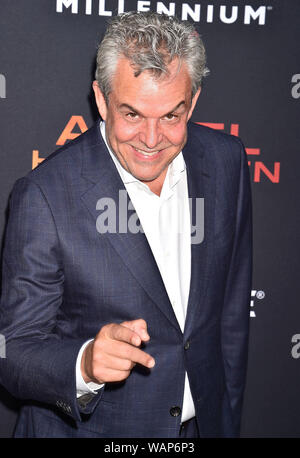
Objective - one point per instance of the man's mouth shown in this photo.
(147, 153)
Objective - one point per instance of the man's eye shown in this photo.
(132, 115)
(170, 117)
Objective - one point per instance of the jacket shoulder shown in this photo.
(66, 159)
(215, 138)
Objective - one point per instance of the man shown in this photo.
(138, 330)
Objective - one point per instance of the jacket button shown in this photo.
(175, 411)
(187, 345)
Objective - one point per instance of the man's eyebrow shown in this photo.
(129, 107)
(177, 106)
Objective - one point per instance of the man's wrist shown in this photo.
(84, 360)
(84, 385)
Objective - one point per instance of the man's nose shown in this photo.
(151, 134)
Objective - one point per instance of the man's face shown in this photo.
(146, 119)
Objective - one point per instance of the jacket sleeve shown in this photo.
(40, 362)
(236, 307)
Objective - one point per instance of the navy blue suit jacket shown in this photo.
(62, 281)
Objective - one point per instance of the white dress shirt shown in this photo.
(166, 223)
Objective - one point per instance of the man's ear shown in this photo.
(100, 100)
(194, 101)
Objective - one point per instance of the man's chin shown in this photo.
(146, 177)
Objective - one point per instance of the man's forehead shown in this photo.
(125, 67)
(126, 85)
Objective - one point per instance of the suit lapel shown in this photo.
(103, 181)
(200, 185)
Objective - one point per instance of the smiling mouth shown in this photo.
(147, 153)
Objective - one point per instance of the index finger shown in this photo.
(141, 357)
(127, 336)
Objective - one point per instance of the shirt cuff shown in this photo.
(82, 387)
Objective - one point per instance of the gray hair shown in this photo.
(150, 41)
